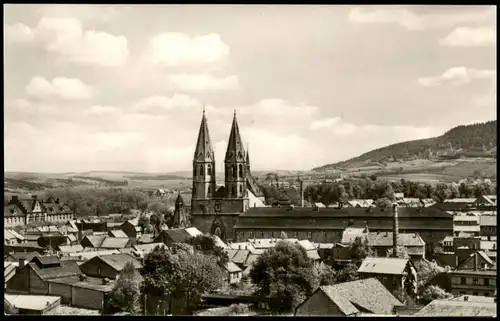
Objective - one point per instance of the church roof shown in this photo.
(204, 151)
(253, 186)
(179, 199)
(235, 150)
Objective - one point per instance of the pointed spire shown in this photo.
(179, 199)
(235, 144)
(204, 151)
(248, 156)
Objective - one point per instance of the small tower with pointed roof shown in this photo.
(179, 212)
(248, 160)
(235, 164)
(203, 164)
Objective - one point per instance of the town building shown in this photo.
(108, 266)
(465, 223)
(366, 296)
(131, 228)
(488, 226)
(30, 304)
(11, 237)
(234, 273)
(458, 308)
(20, 211)
(476, 276)
(486, 203)
(383, 242)
(394, 273)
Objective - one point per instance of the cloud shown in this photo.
(201, 82)
(160, 104)
(99, 110)
(457, 76)
(66, 37)
(470, 37)
(174, 49)
(412, 21)
(18, 33)
(63, 88)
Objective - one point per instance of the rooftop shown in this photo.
(118, 233)
(383, 265)
(453, 308)
(118, 261)
(88, 283)
(385, 239)
(31, 302)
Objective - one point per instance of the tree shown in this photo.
(402, 252)
(325, 274)
(126, 293)
(426, 270)
(285, 274)
(206, 244)
(434, 292)
(348, 273)
(157, 220)
(143, 222)
(283, 235)
(360, 249)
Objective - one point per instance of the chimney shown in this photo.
(301, 194)
(14, 198)
(395, 228)
(476, 261)
(105, 281)
(456, 261)
(341, 204)
(366, 228)
(466, 298)
(21, 263)
(83, 277)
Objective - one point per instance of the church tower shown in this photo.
(235, 165)
(248, 160)
(203, 164)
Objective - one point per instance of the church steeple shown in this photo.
(203, 163)
(235, 164)
(248, 159)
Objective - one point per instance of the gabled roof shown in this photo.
(31, 302)
(27, 256)
(385, 239)
(253, 185)
(118, 233)
(95, 240)
(146, 238)
(87, 255)
(146, 248)
(115, 242)
(240, 257)
(313, 255)
(179, 235)
(481, 254)
(118, 261)
(251, 259)
(70, 248)
(367, 294)
(14, 234)
(383, 265)
(350, 234)
(232, 268)
(306, 244)
(193, 231)
(66, 268)
(452, 308)
(47, 260)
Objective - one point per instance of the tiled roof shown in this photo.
(460, 200)
(313, 255)
(451, 308)
(146, 248)
(118, 233)
(27, 256)
(47, 260)
(306, 244)
(146, 238)
(193, 231)
(241, 256)
(115, 242)
(31, 302)
(65, 229)
(12, 210)
(350, 234)
(72, 238)
(95, 240)
(488, 220)
(254, 186)
(385, 239)
(231, 267)
(231, 253)
(178, 235)
(118, 261)
(251, 259)
(70, 248)
(88, 283)
(383, 265)
(368, 294)
(9, 270)
(91, 254)
(67, 268)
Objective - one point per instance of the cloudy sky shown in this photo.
(92, 87)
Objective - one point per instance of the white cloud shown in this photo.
(18, 33)
(174, 49)
(94, 12)
(201, 82)
(457, 76)
(66, 37)
(64, 88)
(99, 110)
(161, 104)
(470, 37)
(413, 21)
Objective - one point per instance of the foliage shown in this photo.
(206, 244)
(182, 275)
(360, 249)
(284, 274)
(434, 292)
(157, 221)
(239, 309)
(348, 273)
(143, 222)
(402, 252)
(426, 270)
(325, 274)
(283, 235)
(125, 296)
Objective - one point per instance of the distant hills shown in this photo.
(465, 141)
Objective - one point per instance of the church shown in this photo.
(215, 209)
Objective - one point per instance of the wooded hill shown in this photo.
(477, 140)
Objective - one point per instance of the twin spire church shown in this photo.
(215, 208)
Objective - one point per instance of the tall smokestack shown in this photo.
(301, 194)
(395, 229)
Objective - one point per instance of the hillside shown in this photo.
(470, 141)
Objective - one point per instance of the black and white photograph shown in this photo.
(250, 160)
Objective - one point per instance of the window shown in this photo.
(209, 169)
(99, 271)
(241, 170)
(250, 235)
(202, 172)
(475, 293)
(487, 282)
(486, 294)
(309, 235)
(462, 280)
(475, 281)
(241, 189)
(233, 171)
(234, 191)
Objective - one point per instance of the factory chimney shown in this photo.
(301, 193)
(395, 228)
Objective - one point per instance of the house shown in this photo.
(108, 266)
(458, 308)
(52, 240)
(394, 273)
(9, 270)
(349, 299)
(311, 250)
(12, 237)
(19, 211)
(30, 304)
(24, 247)
(351, 233)
(144, 249)
(234, 273)
(488, 225)
(145, 238)
(16, 256)
(87, 255)
(457, 204)
(117, 233)
(32, 278)
(382, 242)
(82, 291)
(486, 202)
(66, 249)
(172, 236)
(106, 242)
(466, 224)
(92, 241)
(447, 244)
(480, 280)
(131, 228)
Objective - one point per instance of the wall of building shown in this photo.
(11, 221)
(37, 285)
(62, 290)
(87, 298)
(485, 286)
(204, 222)
(318, 304)
(318, 236)
(91, 268)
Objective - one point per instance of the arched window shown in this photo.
(209, 169)
(209, 190)
(234, 191)
(241, 170)
(202, 172)
(233, 171)
(241, 189)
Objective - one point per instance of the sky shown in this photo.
(122, 87)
